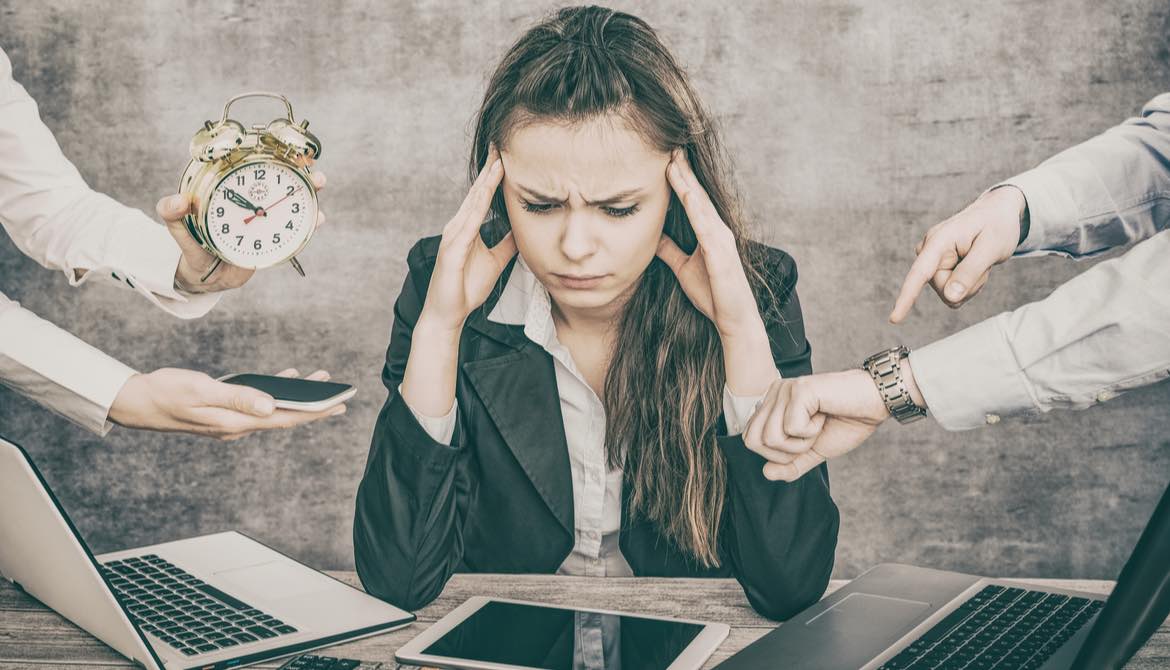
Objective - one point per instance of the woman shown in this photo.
(576, 407)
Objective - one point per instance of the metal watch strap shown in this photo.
(886, 369)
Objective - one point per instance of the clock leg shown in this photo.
(297, 266)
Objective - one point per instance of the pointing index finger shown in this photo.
(920, 273)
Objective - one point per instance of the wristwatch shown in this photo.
(886, 369)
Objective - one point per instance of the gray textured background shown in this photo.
(853, 126)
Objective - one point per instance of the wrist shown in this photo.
(747, 361)
(433, 328)
(888, 371)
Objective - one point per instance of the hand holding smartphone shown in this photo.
(303, 395)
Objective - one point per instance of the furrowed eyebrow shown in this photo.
(617, 197)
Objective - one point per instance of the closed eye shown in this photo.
(545, 207)
(537, 207)
(619, 212)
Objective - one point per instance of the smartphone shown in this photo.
(304, 395)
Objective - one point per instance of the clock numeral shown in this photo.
(289, 225)
(225, 229)
(256, 245)
(290, 189)
(296, 208)
(259, 174)
(239, 180)
(219, 212)
(239, 240)
(276, 238)
(277, 177)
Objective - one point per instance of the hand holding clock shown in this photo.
(195, 260)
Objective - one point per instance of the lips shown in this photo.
(579, 281)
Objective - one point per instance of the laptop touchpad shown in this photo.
(878, 618)
(268, 581)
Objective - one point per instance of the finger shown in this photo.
(939, 281)
(318, 179)
(920, 273)
(504, 250)
(319, 376)
(288, 372)
(671, 254)
(790, 472)
(754, 431)
(776, 435)
(466, 222)
(320, 218)
(237, 398)
(173, 208)
(700, 211)
(967, 273)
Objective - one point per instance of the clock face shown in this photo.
(261, 214)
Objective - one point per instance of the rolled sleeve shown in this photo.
(441, 428)
(738, 410)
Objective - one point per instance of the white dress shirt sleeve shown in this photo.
(738, 410)
(440, 428)
(66, 375)
(58, 221)
(1106, 192)
(1100, 333)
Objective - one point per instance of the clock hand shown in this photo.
(263, 211)
(239, 199)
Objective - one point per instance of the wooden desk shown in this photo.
(32, 636)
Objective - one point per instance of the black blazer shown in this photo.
(500, 498)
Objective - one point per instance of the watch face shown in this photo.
(261, 214)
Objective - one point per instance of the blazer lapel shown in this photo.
(519, 390)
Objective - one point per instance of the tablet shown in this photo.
(496, 633)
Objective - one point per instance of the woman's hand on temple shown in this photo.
(712, 277)
(714, 280)
(466, 269)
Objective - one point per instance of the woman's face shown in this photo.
(587, 203)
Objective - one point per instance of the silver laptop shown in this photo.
(901, 617)
(216, 601)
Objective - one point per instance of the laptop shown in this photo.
(216, 601)
(901, 617)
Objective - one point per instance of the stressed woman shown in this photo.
(572, 362)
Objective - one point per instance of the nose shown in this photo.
(578, 241)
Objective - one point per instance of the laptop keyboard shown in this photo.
(184, 611)
(999, 627)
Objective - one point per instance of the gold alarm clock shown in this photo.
(253, 203)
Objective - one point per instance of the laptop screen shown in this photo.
(1139, 603)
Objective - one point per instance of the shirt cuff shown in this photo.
(738, 410)
(61, 372)
(442, 428)
(145, 257)
(1049, 214)
(971, 378)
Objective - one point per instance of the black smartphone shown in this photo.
(303, 395)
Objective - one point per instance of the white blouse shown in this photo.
(597, 490)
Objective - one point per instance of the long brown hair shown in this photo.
(663, 389)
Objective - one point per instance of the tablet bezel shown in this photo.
(692, 657)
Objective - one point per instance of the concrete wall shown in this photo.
(853, 125)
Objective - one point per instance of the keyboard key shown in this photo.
(260, 631)
(244, 637)
(285, 629)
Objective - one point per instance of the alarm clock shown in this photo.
(253, 203)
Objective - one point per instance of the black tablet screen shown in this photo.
(562, 639)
